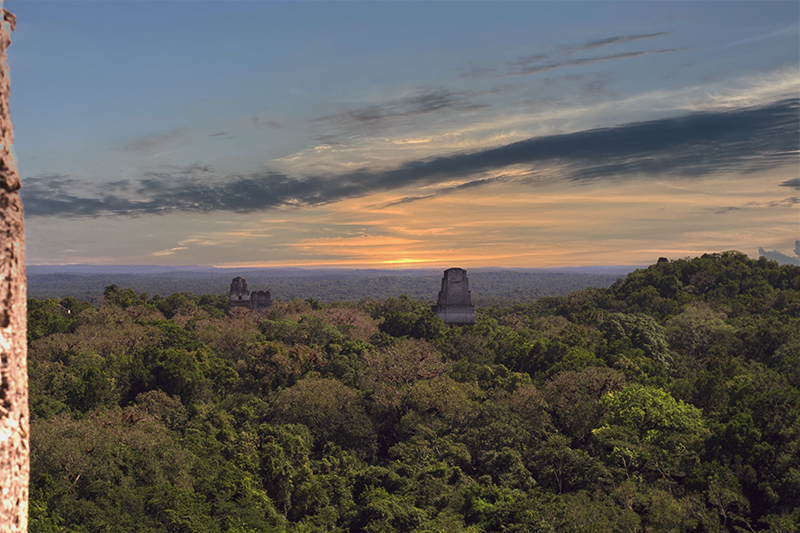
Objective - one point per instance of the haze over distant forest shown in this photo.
(489, 286)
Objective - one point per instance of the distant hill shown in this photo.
(489, 285)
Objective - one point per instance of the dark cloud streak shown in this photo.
(558, 58)
(524, 68)
(693, 145)
(420, 104)
(786, 202)
(446, 190)
(794, 184)
(151, 143)
(619, 39)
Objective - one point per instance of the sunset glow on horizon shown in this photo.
(406, 134)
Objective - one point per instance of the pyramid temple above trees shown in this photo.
(454, 305)
(241, 297)
(455, 302)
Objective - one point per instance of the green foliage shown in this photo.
(419, 324)
(668, 402)
(48, 317)
(652, 412)
(648, 431)
(643, 331)
(331, 411)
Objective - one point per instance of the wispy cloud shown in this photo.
(786, 202)
(154, 143)
(408, 106)
(56, 183)
(446, 190)
(563, 56)
(169, 251)
(113, 186)
(794, 184)
(790, 31)
(525, 66)
(618, 39)
(693, 145)
(265, 121)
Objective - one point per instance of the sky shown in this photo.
(405, 134)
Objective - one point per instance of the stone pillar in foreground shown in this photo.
(455, 302)
(14, 453)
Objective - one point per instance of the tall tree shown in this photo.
(13, 349)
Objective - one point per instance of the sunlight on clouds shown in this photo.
(358, 241)
(406, 262)
(170, 251)
(411, 141)
(556, 225)
(215, 239)
(511, 224)
(366, 249)
(420, 231)
(752, 90)
(495, 127)
(261, 171)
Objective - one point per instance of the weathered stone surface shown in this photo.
(239, 296)
(455, 300)
(260, 300)
(14, 452)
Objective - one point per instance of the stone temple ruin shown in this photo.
(455, 303)
(241, 297)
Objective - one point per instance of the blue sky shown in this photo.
(388, 134)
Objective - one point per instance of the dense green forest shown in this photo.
(669, 401)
